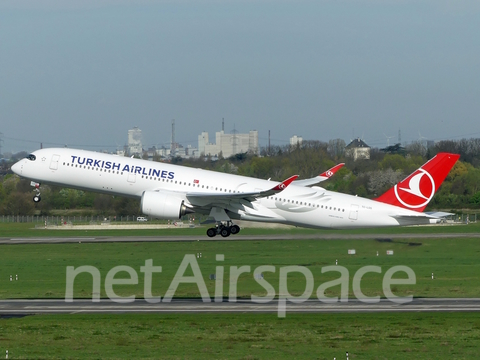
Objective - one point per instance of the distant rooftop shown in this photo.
(357, 143)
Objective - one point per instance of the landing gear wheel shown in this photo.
(211, 232)
(225, 232)
(235, 229)
(36, 197)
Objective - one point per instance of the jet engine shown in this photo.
(163, 205)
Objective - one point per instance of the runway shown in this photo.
(319, 236)
(106, 306)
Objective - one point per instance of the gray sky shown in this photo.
(82, 73)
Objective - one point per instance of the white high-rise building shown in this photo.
(135, 141)
(296, 140)
(203, 142)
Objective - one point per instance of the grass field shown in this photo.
(42, 271)
(28, 230)
(41, 268)
(260, 336)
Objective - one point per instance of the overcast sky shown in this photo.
(83, 73)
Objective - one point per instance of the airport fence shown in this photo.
(58, 219)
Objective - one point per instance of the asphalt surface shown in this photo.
(99, 239)
(106, 306)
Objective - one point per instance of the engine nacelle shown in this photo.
(163, 205)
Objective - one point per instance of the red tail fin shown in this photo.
(416, 190)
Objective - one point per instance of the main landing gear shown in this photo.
(224, 229)
(36, 197)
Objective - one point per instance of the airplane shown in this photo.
(171, 191)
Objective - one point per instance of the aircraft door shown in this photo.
(132, 177)
(353, 212)
(54, 162)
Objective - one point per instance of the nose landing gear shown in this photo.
(36, 197)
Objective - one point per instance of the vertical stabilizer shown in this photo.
(416, 190)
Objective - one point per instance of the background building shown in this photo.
(296, 140)
(135, 141)
(228, 144)
(357, 149)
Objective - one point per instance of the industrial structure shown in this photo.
(227, 145)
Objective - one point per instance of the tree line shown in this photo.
(367, 178)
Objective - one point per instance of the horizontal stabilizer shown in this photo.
(439, 214)
(420, 219)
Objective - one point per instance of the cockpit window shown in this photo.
(31, 157)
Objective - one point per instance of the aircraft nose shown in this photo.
(17, 168)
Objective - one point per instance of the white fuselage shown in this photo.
(296, 205)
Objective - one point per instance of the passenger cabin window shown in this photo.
(31, 157)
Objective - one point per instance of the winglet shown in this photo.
(284, 183)
(319, 178)
(280, 187)
(330, 172)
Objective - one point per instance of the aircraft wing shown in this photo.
(322, 177)
(204, 199)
